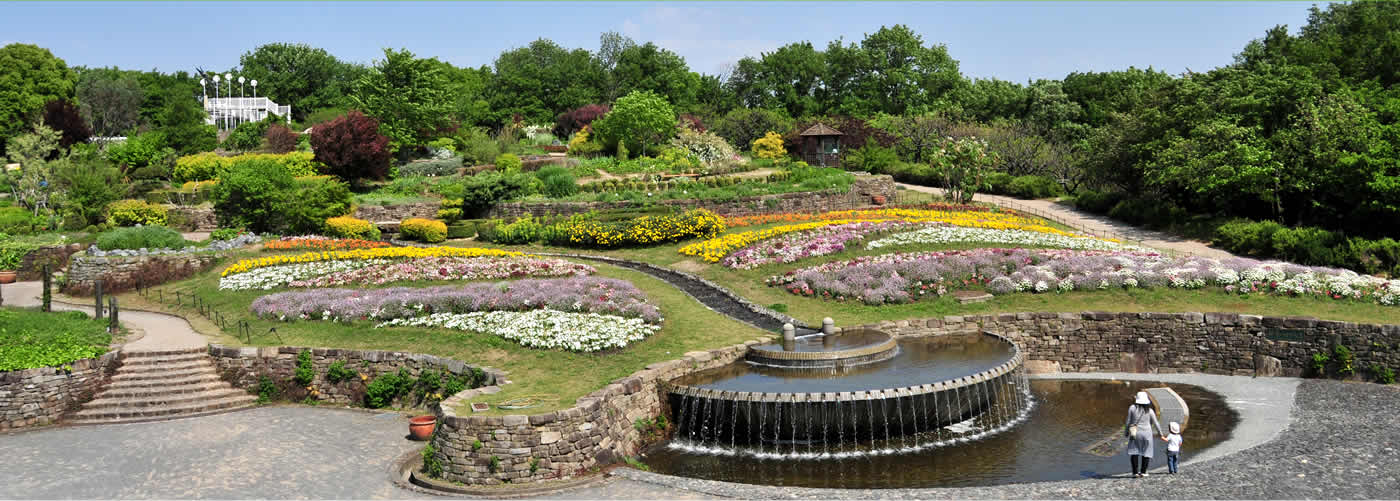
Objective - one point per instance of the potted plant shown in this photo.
(9, 263)
(421, 427)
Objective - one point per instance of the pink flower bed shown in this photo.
(449, 268)
(803, 244)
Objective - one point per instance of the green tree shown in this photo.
(790, 78)
(34, 184)
(650, 68)
(611, 45)
(182, 123)
(29, 77)
(407, 95)
(305, 77)
(638, 119)
(988, 99)
(963, 164)
(110, 102)
(891, 71)
(539, 81)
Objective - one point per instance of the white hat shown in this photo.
(1142, 398)
(1176, 427)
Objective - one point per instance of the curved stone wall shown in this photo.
(242, 366)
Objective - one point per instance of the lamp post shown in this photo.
(228, 77)
(203, 94)
(255, 98)
(242, 103)
(217, 123)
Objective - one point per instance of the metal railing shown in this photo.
(181, 300)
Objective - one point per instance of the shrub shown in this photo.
(423, 230)
(1097, 202)
(577, 119)
(226, 233)
(742, 126)
(1147, 212)
(638, 120)
(441, 167)
(338, 373)
(305, 372)
(999, 183)
(479, 192)
(62, 116)
(769, 146)
(557, 182)
(311, 201)
(18, 221)
(707, 147)
(1374, 256)
(134, 212)
(253, 197)
(350, 227)
(89, 185)
(477, 147)
(508, 163)
(246, 136)
(1307, 245)
(200, 167)
(1034, 187)
(144, 237)
(281, 139)
(870, 158)
(139, 151)
(209, 166)
(352, 147)
(1247, 237)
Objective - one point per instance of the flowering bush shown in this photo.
(351, 227)
(948, 234)
(447, 268)
(134, 212)
(802, 217)
(321, 244)
(819, 242)
(363, 254)
(903, 277)
(547, 329)
(424, 230)
(769, 146)
(709, 148)
(574, 294)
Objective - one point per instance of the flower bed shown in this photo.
(904, 277)
(448, 268)
(322, 244)
(271, 277)
(547, 329)
(949, 234)
(801, 217)
(575, 294)
(818, 242)
(363, 254)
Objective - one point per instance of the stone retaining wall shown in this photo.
(1215, 343)
(123, 273)
(193, 218)
(37, 397)
(241, 367)
(596, 431)
(31, 266)
(861, 195)
(396, 213)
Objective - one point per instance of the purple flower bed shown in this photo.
(575, 294)
(905, 277)
(803, 244)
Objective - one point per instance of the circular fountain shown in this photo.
(857, 392)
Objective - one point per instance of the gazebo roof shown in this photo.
(821, 130)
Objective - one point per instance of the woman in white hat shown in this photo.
(1142, 420)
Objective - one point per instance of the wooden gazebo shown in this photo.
(821, 146)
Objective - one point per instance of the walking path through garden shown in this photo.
(1095, 224)
(162, 332)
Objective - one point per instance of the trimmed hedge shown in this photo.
(207, 166)
(350, 227)
(423, 230)
(134, 212)
(1310, 246)
(144, 237)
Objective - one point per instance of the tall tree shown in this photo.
(110, 101)
(611, 45)
(63, 117)
(407, 95)
(650, 68)
(541, 80)
(305, 77)
(791, 75)
(29, 77)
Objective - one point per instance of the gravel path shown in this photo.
(1094, 223)
(163, 332)
(1341, 444)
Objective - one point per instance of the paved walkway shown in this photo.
(1096, 224)
(162, 332)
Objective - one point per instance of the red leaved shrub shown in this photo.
(63, 117)
(571, 121)
(352, 147)
(281, 139)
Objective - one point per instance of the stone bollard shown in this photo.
(828, 326)
(112, 314)
(789, 332)
(48, 289)
(97, 296)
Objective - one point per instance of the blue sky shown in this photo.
(1008, 40)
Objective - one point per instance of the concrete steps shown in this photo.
(167, 384)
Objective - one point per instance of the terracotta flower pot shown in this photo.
(7, 277)
(421, 427)
(878, 199)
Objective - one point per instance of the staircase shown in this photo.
(158, 385)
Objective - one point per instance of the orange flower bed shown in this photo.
(322, 244)
(803, 217)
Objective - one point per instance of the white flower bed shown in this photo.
(959, 234)
(271, 277)
(548, 329)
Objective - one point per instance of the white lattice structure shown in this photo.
(228, 112)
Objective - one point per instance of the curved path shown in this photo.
(163, 332)
(1093, 223)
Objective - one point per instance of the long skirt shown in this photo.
(1140, 444)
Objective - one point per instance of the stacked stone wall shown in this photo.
(32, 265)
(41, 396)
(242, 366)
(122, 273)
(396, 213)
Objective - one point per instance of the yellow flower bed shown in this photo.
(714, 249)
(380, 253)
(646, 230)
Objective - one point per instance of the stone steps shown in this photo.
(162, 384)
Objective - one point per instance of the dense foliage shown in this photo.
(144, 237)
(30, 339)
(352, 147)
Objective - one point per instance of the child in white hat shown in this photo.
(1173, 446)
